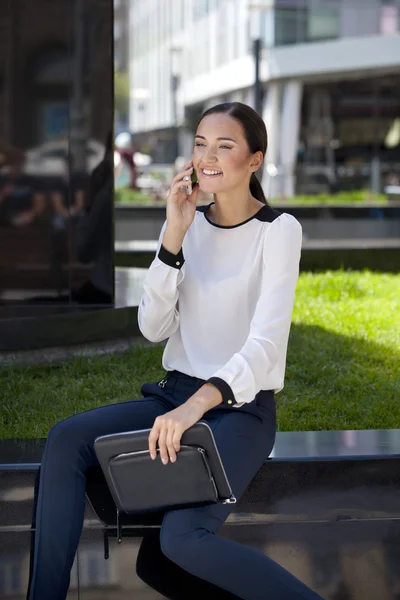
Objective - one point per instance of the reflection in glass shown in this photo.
(55, 118)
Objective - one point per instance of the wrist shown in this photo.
(207, 397)
(173, 240)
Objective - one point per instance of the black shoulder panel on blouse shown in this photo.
(267, 214)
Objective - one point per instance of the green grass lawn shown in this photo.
(343, 366)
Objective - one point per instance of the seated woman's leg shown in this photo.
(170, 580)
(69, 452)
(188, 536)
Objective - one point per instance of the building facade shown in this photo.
(121, 34)
(329, 73)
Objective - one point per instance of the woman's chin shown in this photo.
(209, 187)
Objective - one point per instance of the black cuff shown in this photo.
(172, 260)
(225, 389)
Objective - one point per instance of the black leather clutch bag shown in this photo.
(139, 484)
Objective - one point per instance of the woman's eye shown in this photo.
(223, 146)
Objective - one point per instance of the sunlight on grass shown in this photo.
(343, 367)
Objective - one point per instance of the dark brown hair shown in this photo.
(255, 133)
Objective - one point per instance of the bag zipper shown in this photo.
(231, 499)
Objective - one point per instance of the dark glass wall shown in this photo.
(56, 157)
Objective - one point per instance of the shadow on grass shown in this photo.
(338, 382)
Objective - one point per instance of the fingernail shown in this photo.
(153, 456)
(164, 461)
(172, 459)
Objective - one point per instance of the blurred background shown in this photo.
(324, 74)
(99, 103)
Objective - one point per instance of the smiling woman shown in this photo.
(221, 290)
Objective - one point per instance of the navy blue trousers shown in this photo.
(188, 539)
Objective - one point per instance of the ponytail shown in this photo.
(256, 189)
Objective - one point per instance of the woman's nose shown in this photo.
(210, 153)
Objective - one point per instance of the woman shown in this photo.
(221, 288)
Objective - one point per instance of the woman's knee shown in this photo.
(66, 436)
(60, 430)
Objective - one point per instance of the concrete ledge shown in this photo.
(317, 254)
(150, 246)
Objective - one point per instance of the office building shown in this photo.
(329, 74)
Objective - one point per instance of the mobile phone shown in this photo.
(194, 180)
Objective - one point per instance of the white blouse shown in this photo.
(225, 302)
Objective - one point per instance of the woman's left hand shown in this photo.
(169, 428)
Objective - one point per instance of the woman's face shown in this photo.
(221, 156)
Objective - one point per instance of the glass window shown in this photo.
(236, 30)
(200, 9)
(223, 33)
(299, 24)
(323, 23)
(290, 25)
(182, 13)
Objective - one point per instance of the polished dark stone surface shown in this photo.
(14, 566)
(73, 328)
(360, 562)
(56, 156)
(341, 486)
(309, 475)
(50, 327)
(289, 445)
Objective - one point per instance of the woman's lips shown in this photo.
(209, 174)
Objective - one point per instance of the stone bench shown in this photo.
(325, 505)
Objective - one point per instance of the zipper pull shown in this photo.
(231, 500)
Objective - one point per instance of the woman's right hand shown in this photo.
(181, 208)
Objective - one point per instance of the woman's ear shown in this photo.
(257, 161)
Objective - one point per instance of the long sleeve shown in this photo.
(158, 314)
(242, 377)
